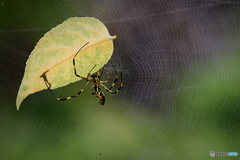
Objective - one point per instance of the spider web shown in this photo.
(180, 65)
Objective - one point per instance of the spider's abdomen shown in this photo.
(97, 92)
(101, 99)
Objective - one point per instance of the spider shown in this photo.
(95, 78)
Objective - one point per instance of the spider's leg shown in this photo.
(49, 88)
(116, 77)
(108, 77)
(115, 81)
(66, 98)
(46, 80)
(76, 95)
(94, 90)
(109, 89)
(98, 73)
(74, 66)
(91, 69)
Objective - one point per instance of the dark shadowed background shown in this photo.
(181, 97)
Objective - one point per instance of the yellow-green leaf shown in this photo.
(55, 51)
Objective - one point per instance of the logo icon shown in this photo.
(212, 153)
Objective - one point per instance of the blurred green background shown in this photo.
(180, 61)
